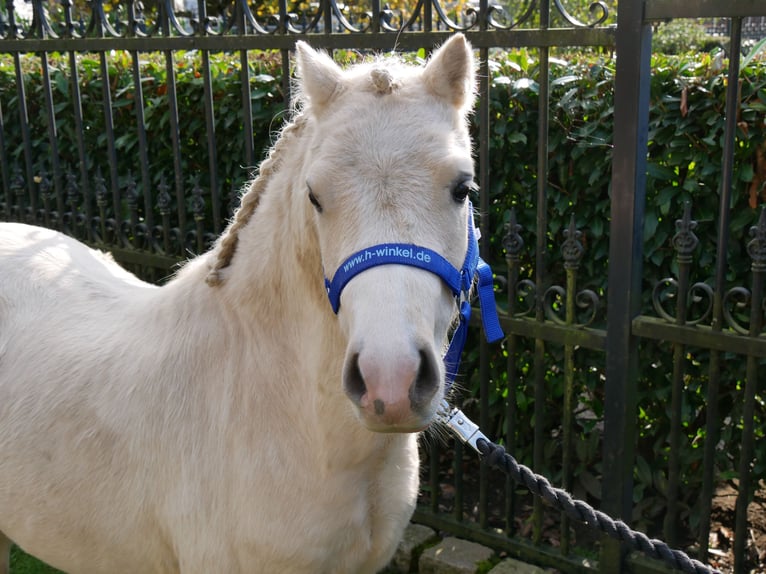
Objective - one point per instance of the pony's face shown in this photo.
(391, 163)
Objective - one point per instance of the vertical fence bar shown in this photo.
(433, 475)
(327, 16)
(207, 82)
(628, 193)
(513, 244)
(572, 251)
(26, 137)
(244, 80)
(484, 186)
(283, 17)
(143, 152)
(684, 242)
(757, 250)
(712, 423)
(375, 25)
(5, 168)
(25, 134)
(53, 140)
(79, 127)
(541, 247)
(457, 467)
(100, 25)
(427, 15)
(175, 129)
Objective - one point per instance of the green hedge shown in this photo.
(684, 143)
(685, 147)
(266, 98)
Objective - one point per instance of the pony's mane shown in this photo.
(227, 244)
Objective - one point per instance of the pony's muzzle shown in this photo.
(393, 395)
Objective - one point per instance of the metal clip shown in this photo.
(460, 425)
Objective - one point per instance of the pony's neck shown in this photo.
(276, 269)
(275, 279)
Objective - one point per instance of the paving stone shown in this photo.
(415, 537)
(453, 556)
(511, 566)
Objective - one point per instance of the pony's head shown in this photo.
(391, 162)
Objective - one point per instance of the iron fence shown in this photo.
(752, 28)
(553, 329)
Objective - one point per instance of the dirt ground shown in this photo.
(722, 530)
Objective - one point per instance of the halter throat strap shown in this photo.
(459, 281)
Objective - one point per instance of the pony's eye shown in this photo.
(314, 201)
(462, 188)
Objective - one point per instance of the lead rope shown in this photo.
(495, 456)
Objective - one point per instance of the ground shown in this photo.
(722, 530)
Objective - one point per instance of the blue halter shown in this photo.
(459, 281)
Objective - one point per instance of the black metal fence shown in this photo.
(753, 28)
(131, 215)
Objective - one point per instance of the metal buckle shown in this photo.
(460, 425)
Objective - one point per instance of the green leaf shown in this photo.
(760, 45)
(746, 172)
(650, 223)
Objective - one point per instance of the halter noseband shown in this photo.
(459, 281)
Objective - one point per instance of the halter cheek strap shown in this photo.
(459, 281)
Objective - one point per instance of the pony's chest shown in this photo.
(349, 520)
(357, 524)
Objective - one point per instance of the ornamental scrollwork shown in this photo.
(239, 17)
(526, 296)
(739, 302)
(736, 309)
(553, 301)
(507, 17)
(739, 305)
(599, 10)
(699, 302)
(586, 305)
(698, 297)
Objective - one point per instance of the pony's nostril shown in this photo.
(353, 381)
(426, 382)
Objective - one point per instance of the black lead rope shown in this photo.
(495, 456)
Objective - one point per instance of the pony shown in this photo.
(229, 420)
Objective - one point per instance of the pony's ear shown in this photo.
(450, 74)
(320, 76)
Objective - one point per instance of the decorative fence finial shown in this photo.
(512, 240)
(572, 248)
(163, 197)
(684, 241)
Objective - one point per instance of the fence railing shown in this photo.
(752, 28)
(151, 221)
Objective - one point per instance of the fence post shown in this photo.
(625, 265)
